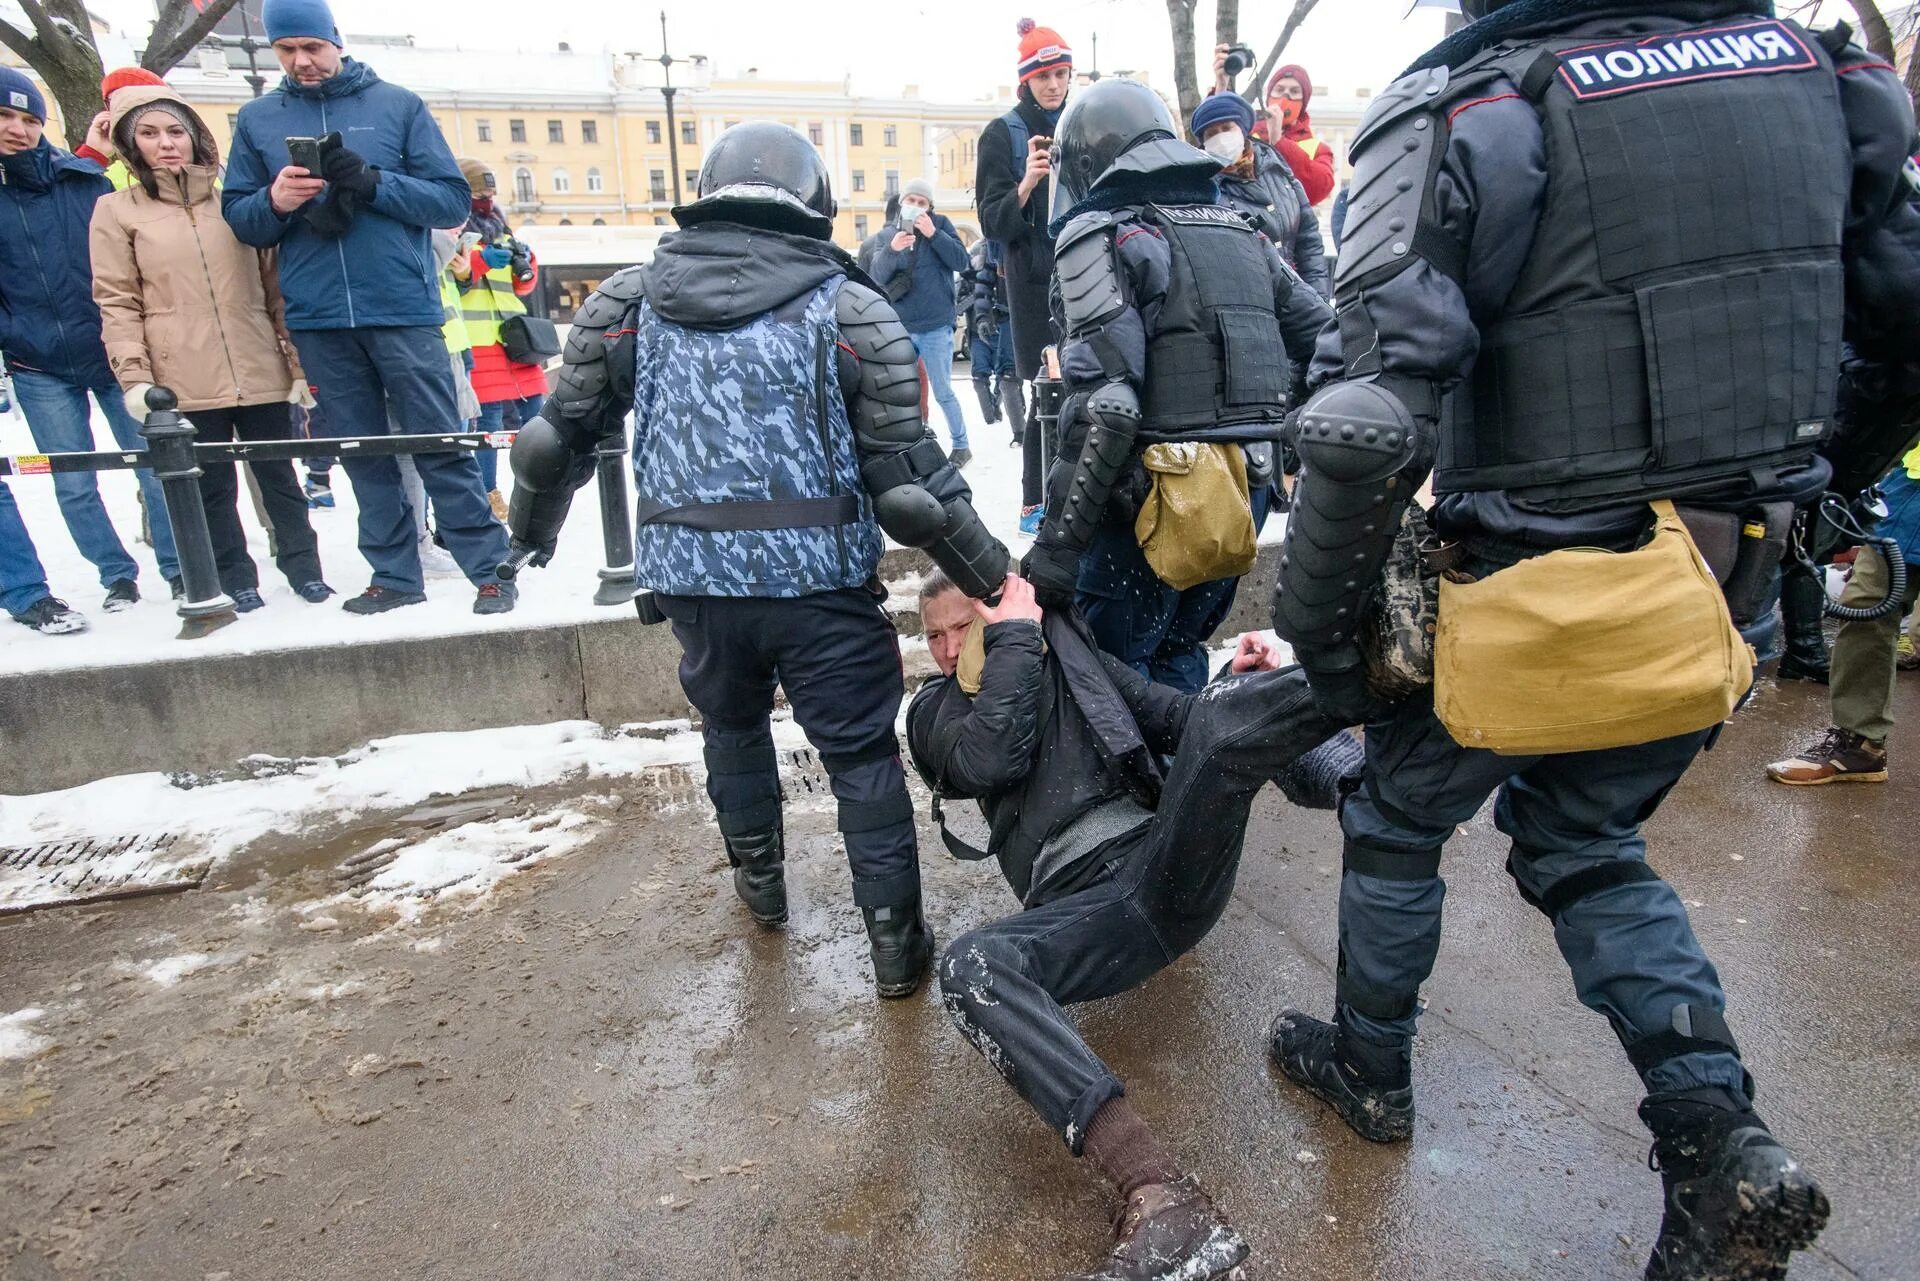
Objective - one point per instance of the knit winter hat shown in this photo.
(918, 187)
(121, 77)
(21, 94)
(299, 19)
(478, 173)
(1222, 108)
(1041, 49)
(177, 110)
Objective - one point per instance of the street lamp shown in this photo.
(248, 42)
(667, 90)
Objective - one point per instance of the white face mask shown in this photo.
(1226, 145)
(911, 209)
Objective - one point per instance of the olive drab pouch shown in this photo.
(1196, 524)
(1582, 649)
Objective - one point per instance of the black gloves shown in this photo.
(1053, 570)
(1342, 694)
(345, 170)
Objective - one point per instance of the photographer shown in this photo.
(362, 294)
(1288, 128)
(496, 271)
(916, 267)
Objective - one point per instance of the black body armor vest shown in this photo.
(1217, 368)
(1677, 324)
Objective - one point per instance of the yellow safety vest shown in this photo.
(120, 176)
(1912, 461)
(455, 325)
(487, 302)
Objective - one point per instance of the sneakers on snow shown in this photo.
(177, 587)
(246, 600)
(1370, 1086)
(122, 593)
(1031, 518)
(1839, 757)
(52, 616)
(961, 456)
(901, 946)
(495, 598)
(315, 592)
(1171, 1232)
(436, 561)
(1737, 1202)
(378, 600)
(319, 493)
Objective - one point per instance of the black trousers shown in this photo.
(837, 656)
(1167, 883)
(297, 550)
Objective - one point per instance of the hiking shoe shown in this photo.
(1908, 655)
(177, 587)
(961, 456)
(1374, 1097)
(1737, 1202)
(1839, 757)
(246, 600)
(378, 600)
(122, 593)
(498, 502)
(495, 598)
(52, 616)
(901, 946)
(1031, 518)
(1171, 1232)
(314, 592)
(760, 872)
(319, 493)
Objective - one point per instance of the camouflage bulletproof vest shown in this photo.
(743, 458)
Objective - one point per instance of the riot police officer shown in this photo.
(1596, 254)
(1181, 323)
(777, 435)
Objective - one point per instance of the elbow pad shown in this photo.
(1113, 413)
(1364, 454)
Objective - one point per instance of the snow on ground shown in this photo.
(17, 1039)
(559, 594)
(469, 860)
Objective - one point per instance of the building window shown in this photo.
(656, 185)
(594, 181)
(893, 182)
(890, 137)
(653, 131)
(599, 222)
(690, 132)
(566, 222)
(692, 177)
(857, 135)
(590, 132)
(523, 186)
(859, 226)
(658, 221)
(517, 130)
(556, 131)
(562, 181)
(233, 122)
(813, 134)
(859, 179)
(483, 130)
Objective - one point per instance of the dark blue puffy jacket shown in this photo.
(47, 318)
(928, 302)
(381, 272)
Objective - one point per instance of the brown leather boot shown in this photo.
(1171, 1232)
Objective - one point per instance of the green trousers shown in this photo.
(1864, 653)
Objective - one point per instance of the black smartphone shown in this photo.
(304, 153)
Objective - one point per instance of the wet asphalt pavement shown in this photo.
(609, 1072)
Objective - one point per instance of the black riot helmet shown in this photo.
(765, 175)
(1112, 128)
(1478, 9)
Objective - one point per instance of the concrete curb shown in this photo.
(61, 729)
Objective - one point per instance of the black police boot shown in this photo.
(902, 947)
(1171, 1232)
(760, 872)
(1738, 1204)
(1802, 603)
(1369, 1085)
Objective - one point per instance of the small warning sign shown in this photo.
(31, 465)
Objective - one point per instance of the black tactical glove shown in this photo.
(1053, 570)
(346, 170)
(1343, 695)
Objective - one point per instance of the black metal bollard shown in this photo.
(617, 584)
(170, 451)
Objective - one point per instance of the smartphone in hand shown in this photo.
(305, 153)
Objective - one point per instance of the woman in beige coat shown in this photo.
(185, 305)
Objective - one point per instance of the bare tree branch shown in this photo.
(162, 53)
(1185, 81)
(1874, 29)
(1226, 22)
(18, 41)
(1301, 8)
(43, 29)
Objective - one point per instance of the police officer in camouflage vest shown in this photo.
(778, 435)
(1598, 253)
(1182, 323)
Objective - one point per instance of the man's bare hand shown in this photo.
(901, 242)
(1039, 165)
(1257, 652)
(293, 187)
(1016, 601)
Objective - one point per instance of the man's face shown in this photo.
(945, 619)
(912, 207)
(1286, 100)
(19, 131)
(308, 59)
(1050, 86)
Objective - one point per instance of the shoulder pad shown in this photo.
(1083, 225)
(1409, 94)
(625, 285)
(1088, 276)
(855, 303)
(606, 305)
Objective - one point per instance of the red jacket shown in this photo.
(495, 378)
(1311, 159)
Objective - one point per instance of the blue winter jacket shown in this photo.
(928, 303)
(381, 272)
(48, 321)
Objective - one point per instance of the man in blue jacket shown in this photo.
(363, 300)
(917, 268)
(50, 331)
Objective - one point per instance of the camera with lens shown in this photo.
(1239, 58)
